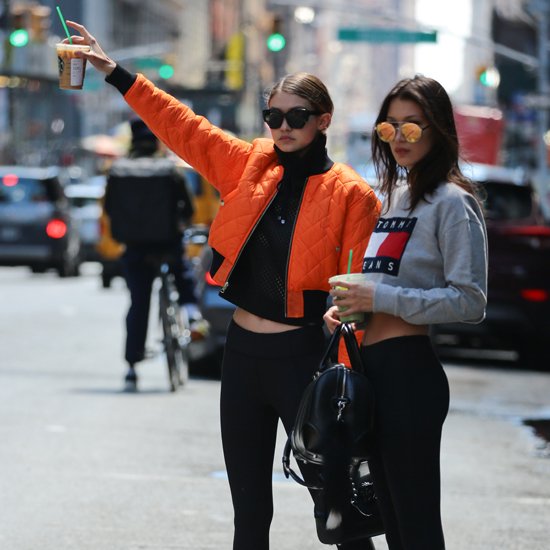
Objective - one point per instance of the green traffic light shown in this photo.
(166, 71)
(276, 42)
(490, 78)
(19, 38)
(483, 78)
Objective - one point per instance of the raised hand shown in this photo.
(96, 56)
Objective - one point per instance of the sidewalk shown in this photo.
(85, 466)
(496, 473)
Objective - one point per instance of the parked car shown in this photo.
(206, 354)
(85, 201)
(37, 226)
(518, 309)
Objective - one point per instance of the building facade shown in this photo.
(214, 55)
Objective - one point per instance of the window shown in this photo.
(24, 190)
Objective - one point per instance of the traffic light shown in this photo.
(166, 66)
(28, 23)
(19, 34)
(40, 23)
(234, 57)
(166, 71)
(488, 76)
(276, 40)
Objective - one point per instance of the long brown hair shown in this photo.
(440, 164)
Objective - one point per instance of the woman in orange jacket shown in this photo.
(288, 219)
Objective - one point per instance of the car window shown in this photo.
(81, 202)
(23, 190)
(507, 202)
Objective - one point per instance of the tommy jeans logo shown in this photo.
(387, 245)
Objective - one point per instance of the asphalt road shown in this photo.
(86, 466)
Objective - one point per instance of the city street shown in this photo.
(87, 466)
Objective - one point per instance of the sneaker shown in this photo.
(130, 380)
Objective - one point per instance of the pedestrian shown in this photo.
(149, 204)
(289, 217)
(426, 263)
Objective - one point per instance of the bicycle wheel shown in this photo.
(175, 336)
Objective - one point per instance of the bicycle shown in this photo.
(175, 329)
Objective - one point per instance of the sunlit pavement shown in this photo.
(87, 466)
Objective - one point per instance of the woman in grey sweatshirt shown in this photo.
(426, 263)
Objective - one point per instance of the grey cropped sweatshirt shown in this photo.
(430, 265)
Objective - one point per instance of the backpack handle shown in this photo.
(352, 348)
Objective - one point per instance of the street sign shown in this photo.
(379, 35)
(148, 62)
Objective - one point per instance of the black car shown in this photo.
(37, 228)
(518, 308)
(206, 354)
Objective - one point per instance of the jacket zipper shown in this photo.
(290, 246)
(226, 284)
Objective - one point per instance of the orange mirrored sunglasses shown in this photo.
(411, 132)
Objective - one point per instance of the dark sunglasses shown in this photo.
(411, 132)
(296, 118)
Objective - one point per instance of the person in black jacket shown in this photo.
(148, 203)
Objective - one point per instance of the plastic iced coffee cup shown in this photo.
(339, 283)
(71, 68)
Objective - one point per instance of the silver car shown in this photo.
(85, 201)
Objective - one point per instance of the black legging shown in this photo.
(263, 379)
(412, 401)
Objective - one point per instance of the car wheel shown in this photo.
(63, 270)
(106, 280)
(69, 267)
(534, 354)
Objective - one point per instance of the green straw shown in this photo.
(64, 24)
(349, 259)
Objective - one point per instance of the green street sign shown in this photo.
(148, 62)
(379, 35)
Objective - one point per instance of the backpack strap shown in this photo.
(352, 348)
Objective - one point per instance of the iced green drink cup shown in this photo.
(339, 283)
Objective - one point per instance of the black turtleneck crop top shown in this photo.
(258, 281)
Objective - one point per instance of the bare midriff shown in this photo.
(382, 326)
(253, 323)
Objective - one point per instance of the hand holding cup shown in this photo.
(94, 54)
(354, 284)
(71, 68)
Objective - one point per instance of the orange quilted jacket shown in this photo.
(337, 213)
